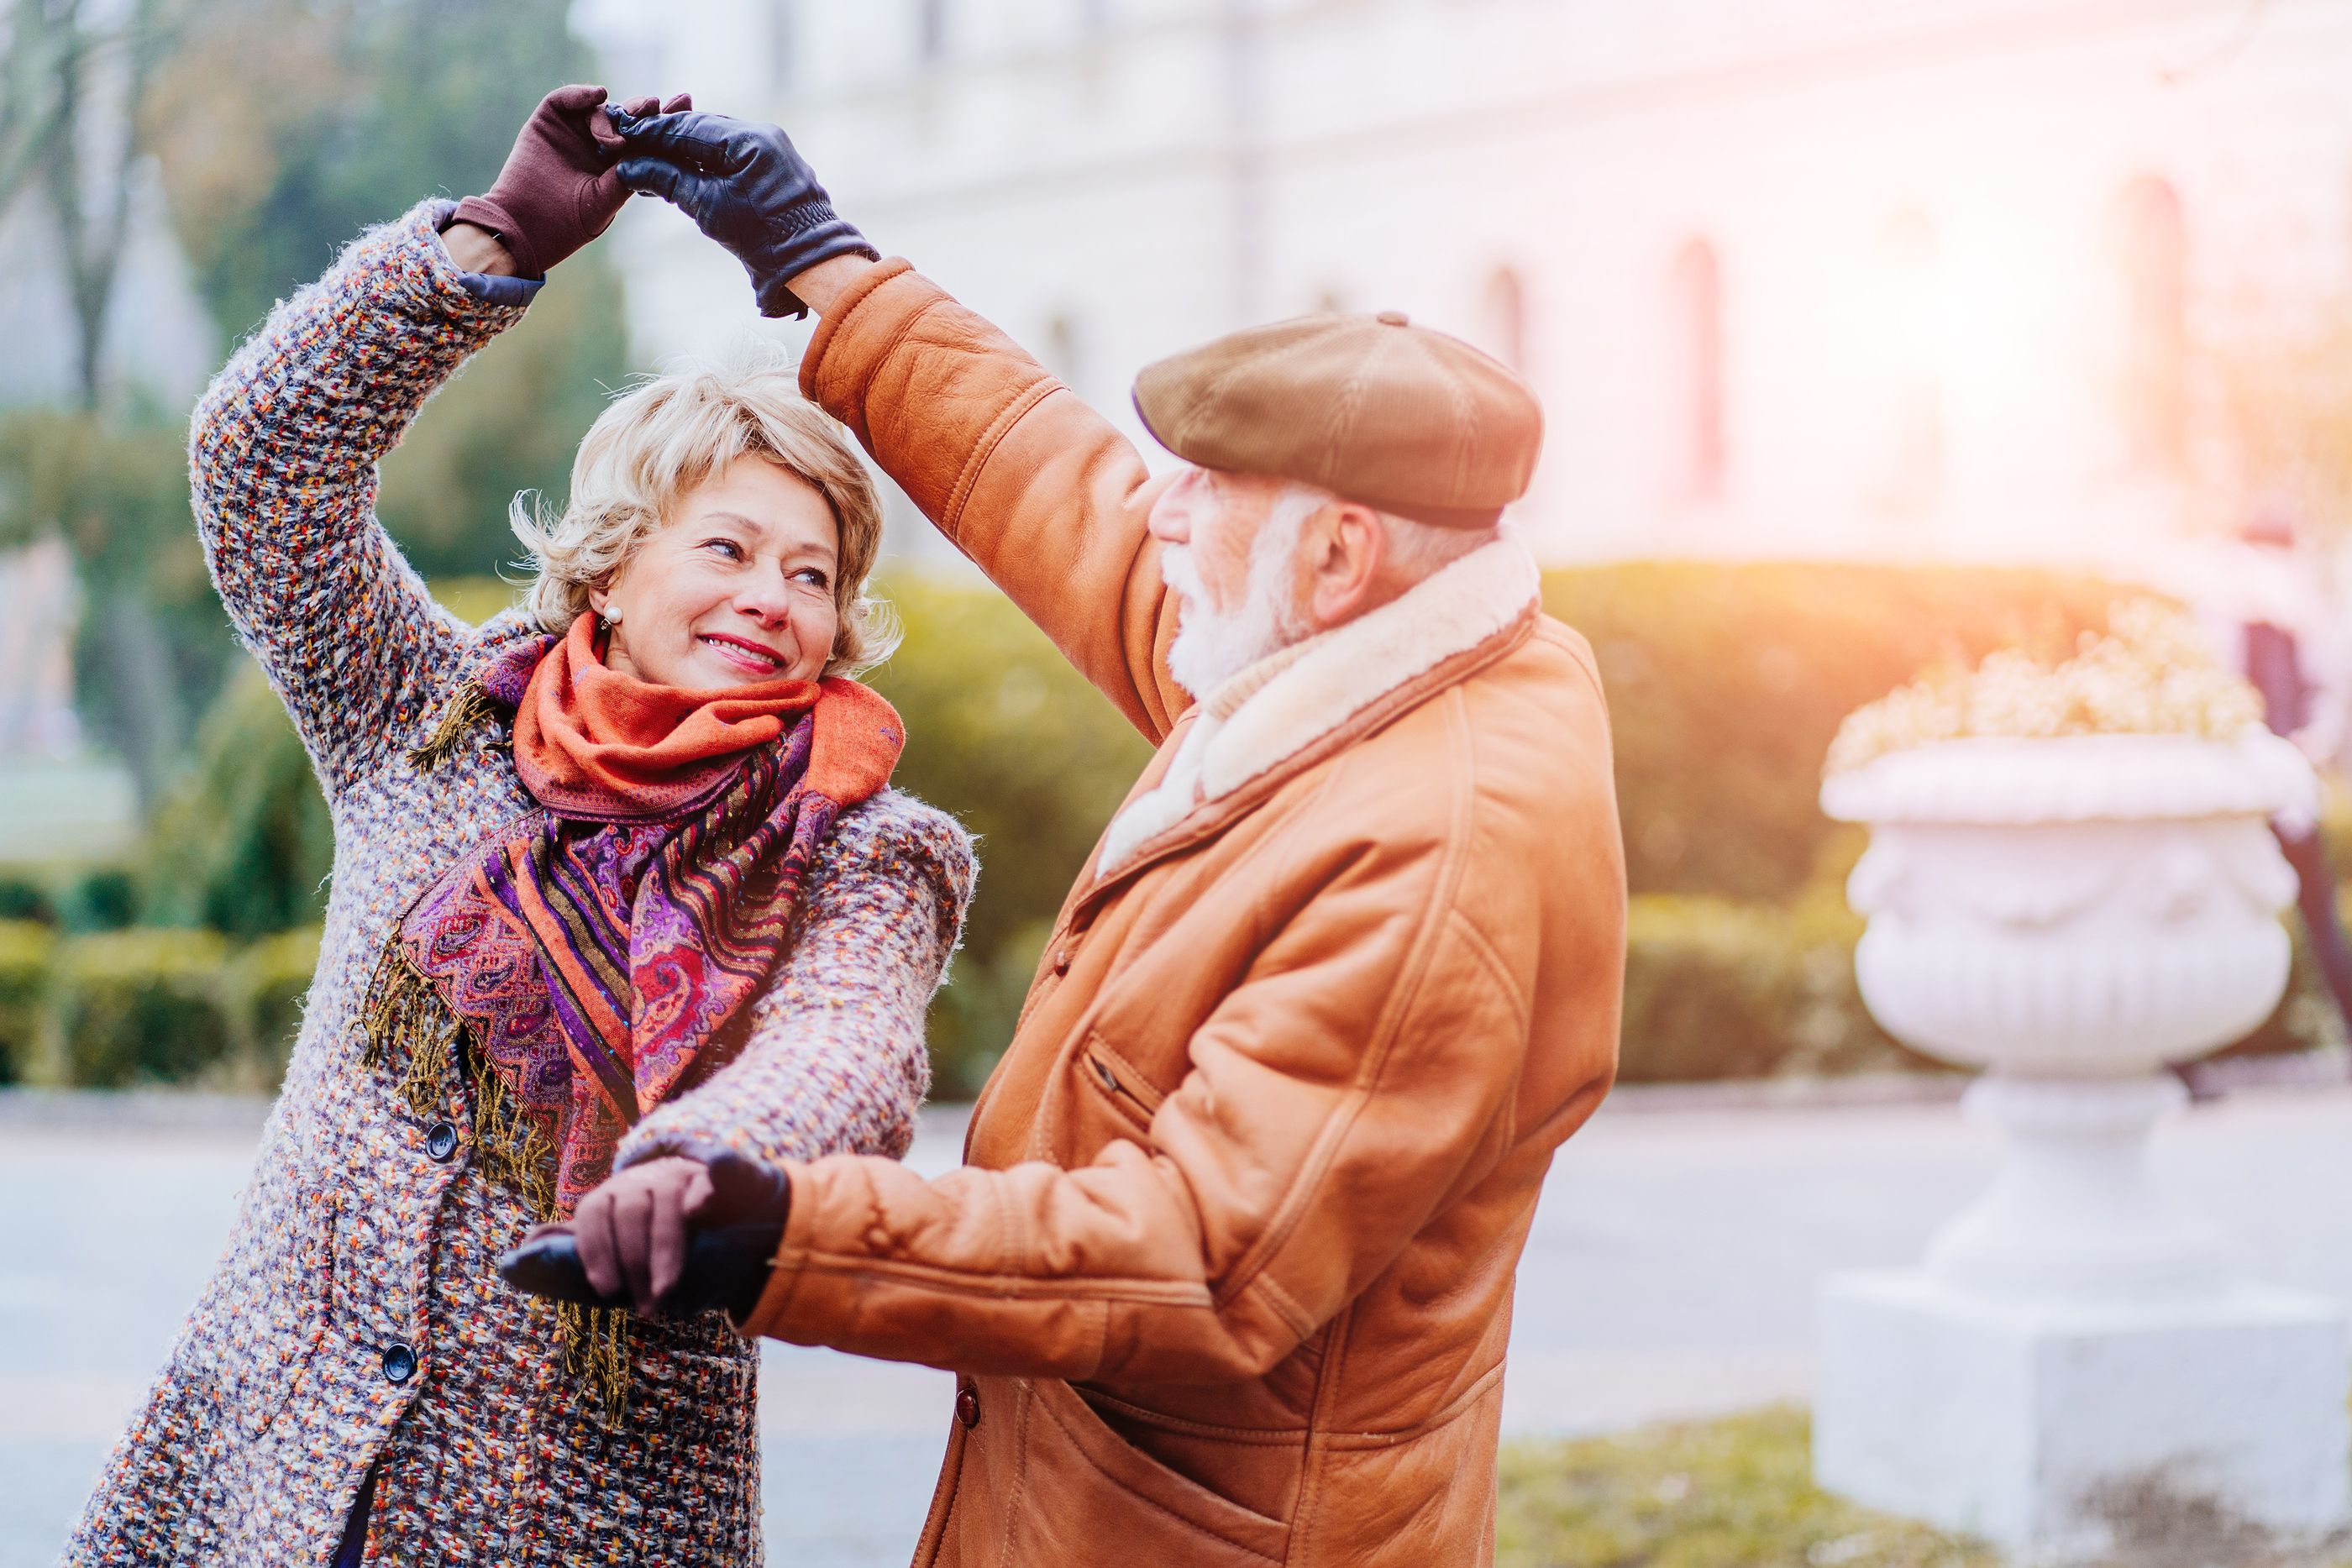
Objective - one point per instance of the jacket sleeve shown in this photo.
(1357, 1080)
(834, 1059)
(1034, 486)
(283, 450)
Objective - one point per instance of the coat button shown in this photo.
(441, 1142)
(1062, 960)
(967, 1406)
(399, 1363)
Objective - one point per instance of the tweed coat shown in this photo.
(357, 1319)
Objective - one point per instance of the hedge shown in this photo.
(142, 1006)
(28, 950)
(270, 980)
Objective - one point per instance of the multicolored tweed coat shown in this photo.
(356, 1318)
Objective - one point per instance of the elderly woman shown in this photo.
(619, 886)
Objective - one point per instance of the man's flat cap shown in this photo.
(1371, 408)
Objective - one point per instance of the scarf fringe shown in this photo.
(471, 705)
(404, 1020)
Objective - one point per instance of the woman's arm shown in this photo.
(283, 450)
(836, 1060)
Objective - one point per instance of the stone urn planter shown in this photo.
(2072, 914)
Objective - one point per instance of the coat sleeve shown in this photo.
(1034, 486)
(283, 450)
(835, 1060)
(1357, 1079)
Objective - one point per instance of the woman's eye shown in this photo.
(814, 577)
(726, 547)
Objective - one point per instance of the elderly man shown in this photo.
(1228, 1274)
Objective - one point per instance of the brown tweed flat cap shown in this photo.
(1373, 408)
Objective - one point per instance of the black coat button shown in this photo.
(967, 1406)
(441, 1142)
(399, 1363)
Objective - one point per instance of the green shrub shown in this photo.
(1003, 733)
(270, 979)
(142, 1006)
(1717, 988)
(1726, 682)
(28, 950)
(24, 897)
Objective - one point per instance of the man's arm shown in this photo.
(1358, 1080)
(1040, 491)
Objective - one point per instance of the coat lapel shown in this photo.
(1264, 726)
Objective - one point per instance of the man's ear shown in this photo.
(1351, 549)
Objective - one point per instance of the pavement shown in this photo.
(1670, 1273)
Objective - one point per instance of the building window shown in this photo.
(931, 29)
(2152, 255)
(1910, 391)
(1695, 371)
(1506, 316)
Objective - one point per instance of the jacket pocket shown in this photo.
(1086, 1487)
(1113, 1079)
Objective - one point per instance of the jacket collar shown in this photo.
(1281, 707)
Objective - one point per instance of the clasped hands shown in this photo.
(672, 1235)
(743, 183)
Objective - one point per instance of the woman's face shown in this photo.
(736, 588)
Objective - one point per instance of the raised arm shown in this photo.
(283, 450)
(1042, 492)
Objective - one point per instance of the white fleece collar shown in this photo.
(1278, 708)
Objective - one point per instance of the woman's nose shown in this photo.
(766, 601)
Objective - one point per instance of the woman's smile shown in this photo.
(745, 655)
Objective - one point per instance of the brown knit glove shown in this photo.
(558, 190)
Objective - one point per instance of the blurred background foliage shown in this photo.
(1726, 683)
(281, 129)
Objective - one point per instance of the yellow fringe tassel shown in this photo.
(470, 706)
(404, 1020)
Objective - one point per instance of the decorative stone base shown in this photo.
(2067, 1432)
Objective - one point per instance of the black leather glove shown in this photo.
(743, 183)
(728, 1259)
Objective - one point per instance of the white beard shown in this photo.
(1212, 646)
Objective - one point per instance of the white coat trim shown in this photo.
(1326, 681)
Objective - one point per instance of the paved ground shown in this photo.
(1670, 1272)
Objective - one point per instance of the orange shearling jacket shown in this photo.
(1228, 1274)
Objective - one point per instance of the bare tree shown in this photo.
(100, 78)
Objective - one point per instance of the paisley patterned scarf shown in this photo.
(582, 969)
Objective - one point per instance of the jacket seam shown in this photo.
(1403, 992)
(984, 450)
(1483, 951)
(998, 1286)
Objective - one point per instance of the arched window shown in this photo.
(1695, 372)
(2152, 257)
(1506, 318)
(1910, 390)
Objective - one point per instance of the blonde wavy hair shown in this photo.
(664, 436)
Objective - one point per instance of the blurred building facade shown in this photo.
(1793, 277)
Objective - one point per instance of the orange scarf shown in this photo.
(592, 742)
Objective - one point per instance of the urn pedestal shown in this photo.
(2073, 1368)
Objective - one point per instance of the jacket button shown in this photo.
(399, 1363)
(967, 1406)
(1061, 960)
(441, 1142)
